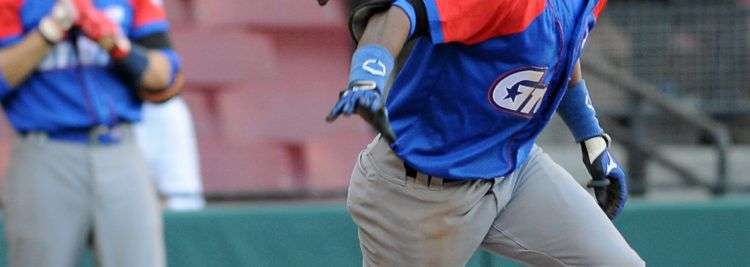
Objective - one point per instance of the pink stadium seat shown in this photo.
(214, 58)
(270, 13)
(7, 134)
(250, 166)
(179, 12)
(5, 147)
(280, 112)
(313, 71)
(330, 159)
(204, 116)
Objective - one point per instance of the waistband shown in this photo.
(389, 162)
(96, 135)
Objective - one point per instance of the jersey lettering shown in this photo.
(63, 56)
(519, 92)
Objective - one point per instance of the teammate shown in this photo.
(73, 74)
(167, 139)
(481, 81)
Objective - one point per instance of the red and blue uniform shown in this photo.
(75, 86)
(475, 93)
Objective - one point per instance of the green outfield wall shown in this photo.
(715, 233)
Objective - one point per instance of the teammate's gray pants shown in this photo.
(538, 215)
(60, 196)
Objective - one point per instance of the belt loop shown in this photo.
(437, 183)
(410, 172)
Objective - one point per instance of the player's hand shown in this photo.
(98, 27)
(371, 66)
(364, 98)
(608, 178)
(56, 24)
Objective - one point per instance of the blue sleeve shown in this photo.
(578, 113)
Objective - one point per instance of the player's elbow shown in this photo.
(163, 94)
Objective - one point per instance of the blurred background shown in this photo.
(669, 79)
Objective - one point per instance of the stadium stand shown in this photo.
(259, 85)
(330, 157)
(297, 14)
(249, 166)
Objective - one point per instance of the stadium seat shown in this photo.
(313, 71)
(7, 134)
(204, 117)
(330, 159)
(273, 14)
(246, 167)
(179, 12)
(280, 112)
(217, 58)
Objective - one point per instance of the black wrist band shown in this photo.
(132, 67)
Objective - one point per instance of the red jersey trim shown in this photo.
(474, 21)
(599, 8)
(146, 12)
(10, 19)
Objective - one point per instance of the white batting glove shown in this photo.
(56, 24)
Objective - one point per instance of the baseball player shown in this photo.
(73, 75)
(167, 139)
(460, 169)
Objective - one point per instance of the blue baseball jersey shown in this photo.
(473, 96)
(75, 86)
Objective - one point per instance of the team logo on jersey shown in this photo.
(519, 91)
(64, 55)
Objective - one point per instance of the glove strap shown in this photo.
(598, 183)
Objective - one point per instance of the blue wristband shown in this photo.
(174, 63)
(410, 12)
(578, 113)
(372, 62)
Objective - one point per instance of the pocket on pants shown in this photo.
(377, 172)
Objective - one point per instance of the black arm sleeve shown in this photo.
(362, 11)
(158, 40)
(131, 68)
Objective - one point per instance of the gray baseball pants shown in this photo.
(60, 197)
(538, 215)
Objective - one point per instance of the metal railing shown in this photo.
(644, 93)
(696, 50)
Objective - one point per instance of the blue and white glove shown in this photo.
(608, 179)
(371, 67)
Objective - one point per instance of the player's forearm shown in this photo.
(577, 75)
(388, 29)
(18, 61)
(158, 74)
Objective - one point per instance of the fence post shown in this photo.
(637, 160)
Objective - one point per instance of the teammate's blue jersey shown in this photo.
(474, 95)
(75, 86)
